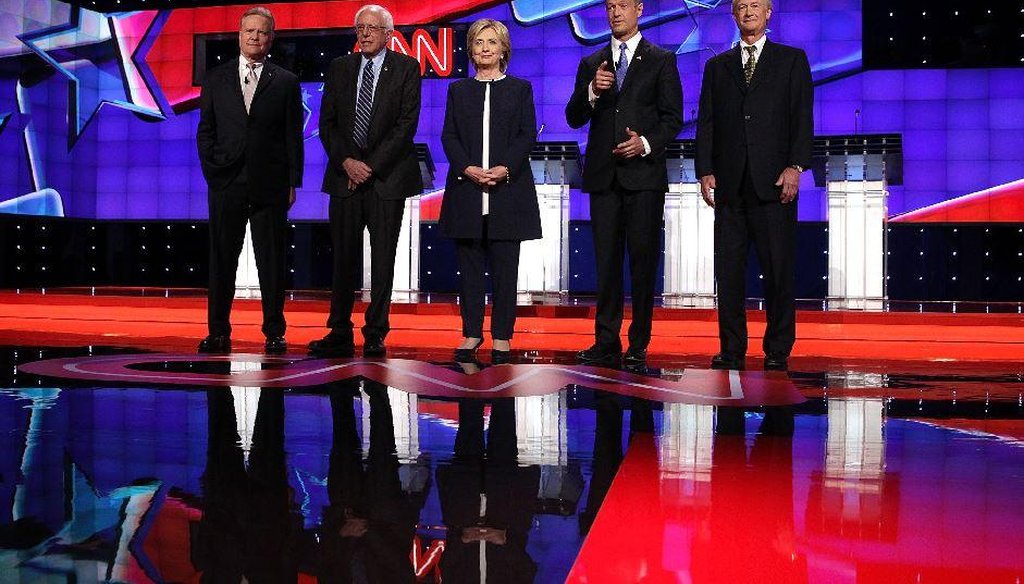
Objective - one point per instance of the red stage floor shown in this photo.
(892, 452)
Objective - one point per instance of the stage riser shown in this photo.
(954, 262)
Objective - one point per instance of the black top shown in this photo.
(266, 141)
(512, 208)
(649, 103)
(767, 125)
(393, 118)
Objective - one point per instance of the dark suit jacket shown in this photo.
(512, 210)
(768, 125)
(266, 142)
(396, 112)
(649, 103)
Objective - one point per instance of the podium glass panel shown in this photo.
(247, 281)
(689, 234)
(857, 215)
(544, 263)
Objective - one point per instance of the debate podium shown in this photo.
(689, 233)
(856, 171)
(544, 263)
(407, 255)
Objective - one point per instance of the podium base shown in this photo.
(688, 300)
(544, 297)
(865, 304)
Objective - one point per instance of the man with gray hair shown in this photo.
(250, 148)
(754, 136)
(368, 118)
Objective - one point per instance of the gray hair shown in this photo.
(735, 2)
(258, 11)
(389, 21)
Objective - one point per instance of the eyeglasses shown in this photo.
(370, 28)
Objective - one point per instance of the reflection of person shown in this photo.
(754, 135)
(250, 147)
(370, 523)
(608, 447)
(368, 118)
(487, 499)
(630, 93)
(753, 523)
(490, 201)
(250, 527)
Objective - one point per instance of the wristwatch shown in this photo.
(797, 167)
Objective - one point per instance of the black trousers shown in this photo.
(229, 211)
(383, 219)
(771, 228)
(501, 257)
(626, 220)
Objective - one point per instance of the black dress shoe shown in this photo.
(275, 346)
(776, 363)
(468, 355)
(220, 344)
(725, 361)
(634, 357)
(599, 354)
(332, 345)
(499, 357)
(374, 348)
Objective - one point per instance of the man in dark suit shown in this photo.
(368, 118)
(250, 147)
(629, 92)
(754, 134)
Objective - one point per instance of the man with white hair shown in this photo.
(754, 135)
(368, 118)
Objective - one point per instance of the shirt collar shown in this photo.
(759, 43)
(377, 59)
(631, 46)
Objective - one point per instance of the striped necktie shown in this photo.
(363, 105)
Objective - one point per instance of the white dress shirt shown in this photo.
(745, 55)
(485, 158)
(243, 71)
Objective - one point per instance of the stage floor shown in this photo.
(893, 451)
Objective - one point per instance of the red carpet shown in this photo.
(177, 323)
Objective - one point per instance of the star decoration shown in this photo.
(96, 53)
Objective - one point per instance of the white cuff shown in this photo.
(647, 146)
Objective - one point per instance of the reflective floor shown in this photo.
(903, 472)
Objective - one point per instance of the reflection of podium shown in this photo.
(407, 256)
(544, 263)
(856, 171)
(689, 232)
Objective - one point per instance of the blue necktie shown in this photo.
(621, 66)
(363, 105)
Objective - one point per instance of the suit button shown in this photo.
(460, 178)
(616, 110)
(746, 117)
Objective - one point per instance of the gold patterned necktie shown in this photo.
(748, 69)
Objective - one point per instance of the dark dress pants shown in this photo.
(230, 209)
(622, 220)
(383, 219)
(501, 257)
(771, 227)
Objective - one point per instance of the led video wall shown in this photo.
(98, 110)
